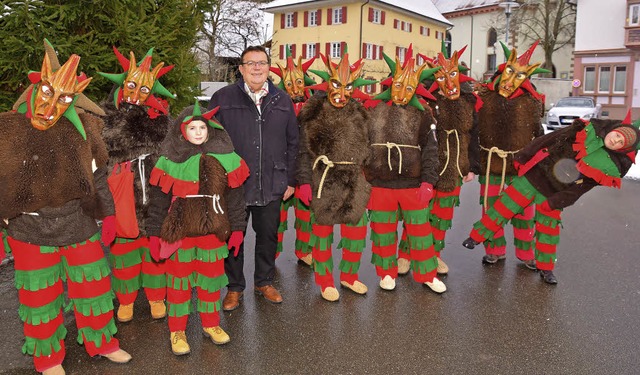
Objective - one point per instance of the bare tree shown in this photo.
(552, 22)
(229, 26)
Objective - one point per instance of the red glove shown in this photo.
(108, 230)
(305, 194)
(425, 193)
(235, 241)
(154, 247)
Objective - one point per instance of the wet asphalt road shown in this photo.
(499, 319)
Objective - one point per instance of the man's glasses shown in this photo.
(260, 64)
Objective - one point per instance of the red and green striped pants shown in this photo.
(352, 242)
(522, 222)
(302, 225)
(385, 208)
(39, 274)
(441, 210)
(514, 200)
(198, 263)
(133, 267)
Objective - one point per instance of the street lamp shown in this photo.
(508, 7)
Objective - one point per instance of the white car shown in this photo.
(568, 109)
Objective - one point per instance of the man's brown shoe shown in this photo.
(270, 293)
(231, 301)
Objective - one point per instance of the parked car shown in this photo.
(568, 109)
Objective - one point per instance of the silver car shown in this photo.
(568, 109)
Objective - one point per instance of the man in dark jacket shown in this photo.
(262, 124)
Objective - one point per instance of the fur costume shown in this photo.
(340, 135)
(129, 132)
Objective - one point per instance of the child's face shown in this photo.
(197, 132)
(613, 140)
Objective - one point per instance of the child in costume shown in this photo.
(197, 204)
(334, 145)
(554, 171)
(293, 80)
(136, 122)
(54, 187)
(508, 120)
(402, 169)
(456, 109)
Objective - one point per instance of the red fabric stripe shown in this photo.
(88, 289)
(503, 210)
(303, 215)
(417, 230)
(384, 251)
(320, 255)
(45, 362)
(322, 231)
(95, 322)
(153, 268)
(384, 228)
(548, 230)
(210, 319)
(239, 175)
(517, 197)
(27, 257)
(40, 297)
(351, 256)
(214, 269)
(125, 248)
(44, 330)
(127, 273)
(423, 255)
(80, 255)
(489, 224)
(324, 281)
(206, 296)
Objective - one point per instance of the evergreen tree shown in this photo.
(90, 28)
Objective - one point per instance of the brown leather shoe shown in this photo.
(270, 293)
(231, 301)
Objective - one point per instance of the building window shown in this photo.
(313, 18)
(491, 63)
(401, 51)
(368, 51)
(311, 50)
(376, 16)
(288, 20)
(335, 50)
(605, 79)
(492, 38)
(620, 79)
(291, 48)
(589, 79)
(634, 15)
(337, 16)
(424, 31)
(406, 26)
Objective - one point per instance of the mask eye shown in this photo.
(508, 70)
(145, 90)
(131, 85)
(335, 84)
(46, 90)
(397, 85)
(288, 83)
(440, 79)
(299, 82)
(348, 87)
(409, 89)
(453, 74)
(521, 76)
(65, 99)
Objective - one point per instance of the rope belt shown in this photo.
(455, 132)
(215, 201)
(391, 145)
(502, 154)
(143, 180)
(329, 164)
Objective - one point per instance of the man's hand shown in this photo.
(288, 193)
(469, 177)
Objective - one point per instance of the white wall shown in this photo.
(594, 28)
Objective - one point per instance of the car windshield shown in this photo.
(575, 102)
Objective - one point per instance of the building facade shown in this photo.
(367, 28)
(607, 55)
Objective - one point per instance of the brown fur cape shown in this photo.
(340, 134)
(48, 168)
(509, 124)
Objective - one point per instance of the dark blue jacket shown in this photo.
(268, 142)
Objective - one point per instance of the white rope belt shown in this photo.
(390, 146)
(329, 164)
(502, 154)
(455, 132)
(215, 201)
(143, 179)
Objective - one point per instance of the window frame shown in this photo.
(377, 16)
(312, 19)
(615, 80)
(634, 8)
(588, 68)
(311, 47)
(288, 20)
(336, 46)
(606, 87)
(336, 17)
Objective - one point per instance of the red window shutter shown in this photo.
(318, 17)
(293, 50)
(282, 52)
(304, 50)
(364, 49)
(382, 17)
(329, 16)
(342, 46)
(421, 29)
(395, 23)
(370, 14)
(327, 51)
(398, 51)
(317, 48)
(306, 18)
(344, 14)
(374, 52)
(380, 57)
(410, 27)
(428, 31)
(282, 17)
(295, 19)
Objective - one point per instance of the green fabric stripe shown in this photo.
(179, 309)
(212, 255)
(349, 267)
(547, 221)
(383, 216)
(415, 216)
(496, 242)
(39, 279)
(425, 266)
(522, 224)
(383, 239)
(125, 286)
(524, 245)
(305, 226)
(303, 247)
(180, 283)
(323, 268)
(384, 263)
(230, 162)
(321, 243)
(439, 223)
(547, 238)
(355, 246)
(189, 170)
(122, 240)
(403, 246)
(95, 336)
(208, 307)
(93, 306)
(154, 281)
(87, 272)
(127, 260)
(211, 284)
(283, 226)
(438, 245)
(545, 257)
(43, 314)
(447, 202)
(279, 247)
(185, 255)
(420, 242)
(44, 347)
